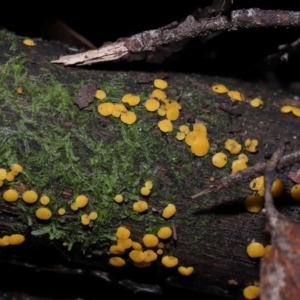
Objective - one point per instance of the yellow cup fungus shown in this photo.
(150, 256)
(158, 94)
(172, 114)
(106, 109)
(93, 215)
(219, 160)
(100, 94)
(152, 105)
(164, 232)
(10, 176)
(180, 136)
(124, 243)
(251, 145)
(251, 292)
(2, 174)
(30, 196)
(140, 206)
(256, 102)
(159, 251)
(130, 99)
(254, 203)
(136, 246)
(201, 129)
(81, 201)
(119, 108)
(200, 147)
(169, 211)
(236, 95)
(169, 261)
(74, 206)
(116, 250)
(165, 125)
(257, 183)
(85, 219)
(29, 42)
(219, 88)
(295, 192)
(149, 184)
(238, 165)
(4, 241)
(117, 261)
(296, 111)
(19, 90)
(10, 195)
(45, 200)
(286, 109)
(128, 117)
(119, 198)
(43, 213)
(16, 239)
(162, 111)
(160, 84)
(186, 271)
(145, 191)
(233, 146)
(268, 249)
(255, 250)
(61, 211)
(184, 129)
(137, 255)
(243, 157)
(277, 188)
(150, 240)
(122, 233)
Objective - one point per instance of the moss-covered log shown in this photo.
(66, 151)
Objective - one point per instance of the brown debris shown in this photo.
(86, 94)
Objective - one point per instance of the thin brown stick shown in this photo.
(150, 40)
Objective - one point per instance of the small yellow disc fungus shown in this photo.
(254, 203)
(192, 137)
(123, 233)
(268, 249)
(162, 111)
(116, 250)
(159, 94)
(243, 157)
(119, 198)
(235, 95)
(172, 114)
(61, 211)
(200, 147)
(16, 239)
(140, 206)
(44, 200)
(257, 183)
(256, 102)
(180, 136)
(19, 90)
(136, 246)
(286, 109)
(29, 42)
(277, 188)
(81, 201)
(169, 211)
(255, 250)
(128, 117)
(85, 219)
(152, 105)
(74, 206)
(130, 99)
(186, 271)
(10, 176)
(149, 184)
(124, 243)
(160, 84)
(238, 165)
(251, 145)
(118, 110)
(106, 109)
(184, 129)
(233, 146)
(219, 88)
(201, 129)
(169, 261)
(219, 160)
(93, 215)
(251, 292)
(165, 125)
(10, 196)
(150, 255)
(164, 232)
(295, 192)
(2, 174)
(117, 261)
(145, 191)
(43, 213)
(100, 94)
(150, 240)
(30, 196)
(137, 255)
(296, 111)
(4, 241)
(159, 251)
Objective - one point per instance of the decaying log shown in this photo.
(66, 151)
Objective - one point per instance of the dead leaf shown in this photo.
(86, 94)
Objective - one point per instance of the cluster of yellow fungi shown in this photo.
(14, 239)
(145, 253)
(293, 109)
(257, 250)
